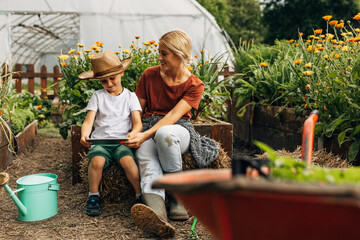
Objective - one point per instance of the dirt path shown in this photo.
(53, 155)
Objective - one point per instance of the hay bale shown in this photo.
(116, 188)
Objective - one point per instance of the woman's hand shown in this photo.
(84, 142)
(135, 140)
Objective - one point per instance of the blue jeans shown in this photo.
(162, 153)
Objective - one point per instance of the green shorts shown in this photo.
(111, 153)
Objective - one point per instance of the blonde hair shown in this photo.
(179, 42)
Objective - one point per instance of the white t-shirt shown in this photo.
(113, 113)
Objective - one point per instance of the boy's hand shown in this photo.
(84, 142)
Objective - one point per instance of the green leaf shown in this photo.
(353, 150)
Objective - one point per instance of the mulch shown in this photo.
(53, 155)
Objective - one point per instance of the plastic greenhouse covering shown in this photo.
(34, 32)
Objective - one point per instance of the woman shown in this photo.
(167, 93)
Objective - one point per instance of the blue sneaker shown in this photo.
(93, 206)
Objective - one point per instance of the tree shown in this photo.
(239, 18)
(284, 18)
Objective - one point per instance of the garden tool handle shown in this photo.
(308, 136)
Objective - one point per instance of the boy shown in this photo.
(115, 113)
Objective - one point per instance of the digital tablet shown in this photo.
(106, 140)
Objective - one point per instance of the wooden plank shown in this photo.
(17, 77)
(77, 148)
(26, 137)
(5, 155)
(43, 81)
(31, 81)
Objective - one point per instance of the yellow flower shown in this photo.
(91, 56)
(337, 55)
(99, 44)
(298, 61)
(117, 52)
(63, 57)
(88, 51)
(75, 57)
(345, 48)
(120, 46)
(80, 45)
(307, 86)
(126, 51)
(327, 17)
(355, 39)
(78, 52)
(326, 67)
(308, 65)
(71, 51)
(93, 47)
(263, 64)
(189, 68)
(141, 51)
(309, 48)
(146, 43)
(155, 44)
(63, 64)
(308, 73)
(132, 45)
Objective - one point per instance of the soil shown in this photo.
(52, 154)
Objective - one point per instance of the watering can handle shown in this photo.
(54, 187)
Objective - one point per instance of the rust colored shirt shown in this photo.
(161, 98)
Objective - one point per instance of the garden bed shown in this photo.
(26, 137)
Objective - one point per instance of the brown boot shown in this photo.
(177, 210)
(151, 215)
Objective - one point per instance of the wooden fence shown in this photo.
(31, 75)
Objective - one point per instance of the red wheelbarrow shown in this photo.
(233, 206)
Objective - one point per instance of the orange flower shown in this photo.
(327, 17)
(137, 37)
(357, 17)
(325, 108)
(340, 25)
(298, 61)
(328, 87)
(333, 23)
(290, 41)
(189, 68)
(202, 51)
(38, 107)
(318, 31)
(263, 64)
(306, 106)
(152, 41)
(196, 56)
(355, 39)
(63, 64)
(307, 86)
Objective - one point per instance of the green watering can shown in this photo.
(36, 195)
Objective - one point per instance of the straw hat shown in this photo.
(105, 64)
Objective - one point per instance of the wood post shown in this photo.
(43, 81)
(31, 80)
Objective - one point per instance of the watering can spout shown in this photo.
(4, 178)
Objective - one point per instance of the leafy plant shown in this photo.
(215, 92)
(289, 169)
(74, 93)
(318, 72)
